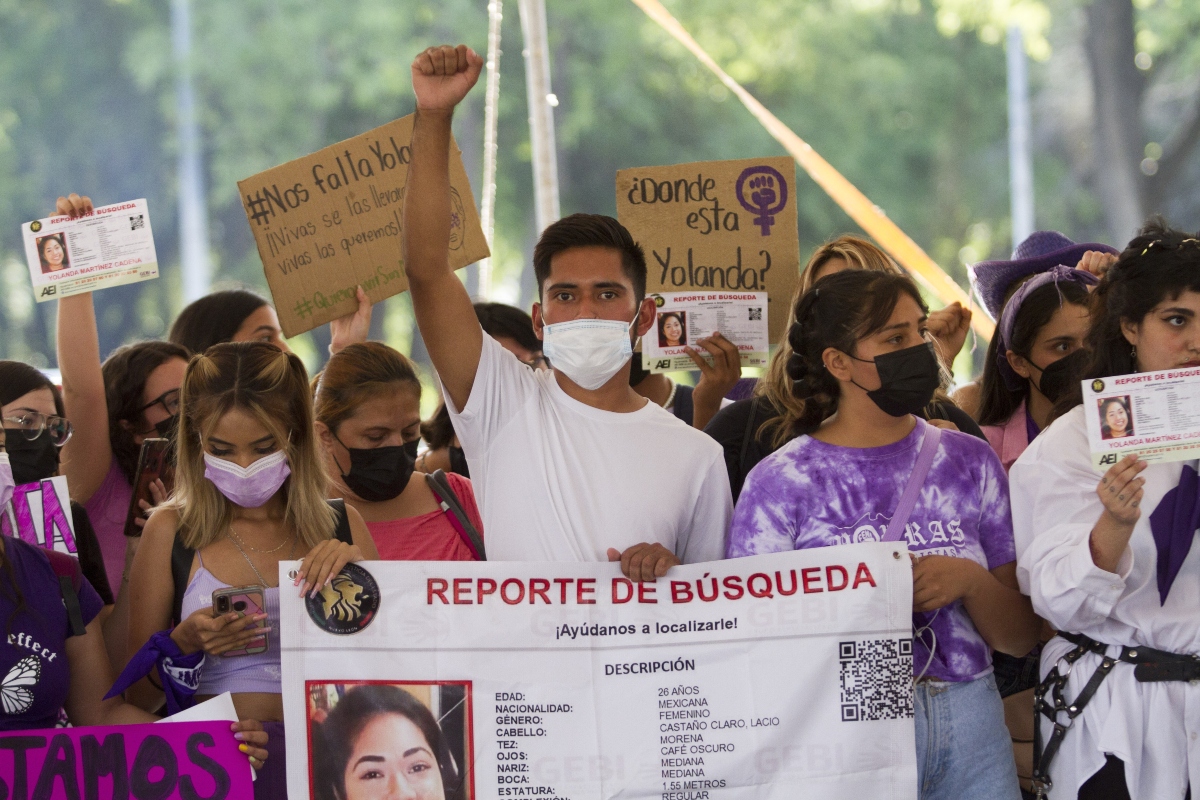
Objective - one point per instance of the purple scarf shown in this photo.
(1174, 523)
(180, 674)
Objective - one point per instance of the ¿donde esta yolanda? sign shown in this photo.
(717, 226)
(763, 678)
(331, 221)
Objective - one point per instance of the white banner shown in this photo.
(779, 676)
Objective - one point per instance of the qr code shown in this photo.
(877, 679)
(755, 314)
(137, 223)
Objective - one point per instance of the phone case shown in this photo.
(244, 600)
(153, 463)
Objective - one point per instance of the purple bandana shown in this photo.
(180, 674)
(1174, 525)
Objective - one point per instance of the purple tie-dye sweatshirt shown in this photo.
(813, 494)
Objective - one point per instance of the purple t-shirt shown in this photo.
(813, 494)
(35, 675)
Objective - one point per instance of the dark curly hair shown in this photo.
(837, 312)
(1159, 263)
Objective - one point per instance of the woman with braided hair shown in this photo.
(865, 467)
(1108, 559)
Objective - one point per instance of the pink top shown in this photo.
(1010, 439)
(107, 509)
(428, 537)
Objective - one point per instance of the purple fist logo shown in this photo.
(768, 195)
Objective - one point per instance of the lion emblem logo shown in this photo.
(348, 604)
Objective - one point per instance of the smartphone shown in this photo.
(244, 600)
(154, 463)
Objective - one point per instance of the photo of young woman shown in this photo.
(671, 331)
(1116, 421)
(382, 740)
(52, 251)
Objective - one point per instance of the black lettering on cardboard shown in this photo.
(104, 760)
(58, 766)
(187, 789)
(154, 752)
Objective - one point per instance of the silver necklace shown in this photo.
(262, 581)
(251, 547)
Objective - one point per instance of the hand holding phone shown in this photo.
(243, 600)
(155, 473)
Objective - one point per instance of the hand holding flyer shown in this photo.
(683, 318)
(1155, 415)
(111, 246)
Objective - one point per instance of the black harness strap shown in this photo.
(1150, 665)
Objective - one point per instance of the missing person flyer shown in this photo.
(736, 679)
(1155, 415)
(684, 317)
(111, 246)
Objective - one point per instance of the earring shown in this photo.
(1133, 354)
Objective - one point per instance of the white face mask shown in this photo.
(589, 351)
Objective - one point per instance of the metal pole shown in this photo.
(541, 111)
(1020, 158)
(487, 209)
(193, 211)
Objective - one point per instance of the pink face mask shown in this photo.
(250, 487)
(7, 484)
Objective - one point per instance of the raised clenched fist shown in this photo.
(443, 75)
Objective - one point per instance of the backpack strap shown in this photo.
(452, 508)
(69, 583)
(342, 530)
(181, 569)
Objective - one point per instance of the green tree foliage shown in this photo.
(905, 97)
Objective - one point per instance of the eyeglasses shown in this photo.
(169, 400)
(32, 423)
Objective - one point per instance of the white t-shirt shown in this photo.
(558, 480)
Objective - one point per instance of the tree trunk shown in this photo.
(1117, 88)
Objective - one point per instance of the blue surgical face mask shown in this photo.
(589, 351)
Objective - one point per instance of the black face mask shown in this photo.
(380, 473)
(31, 461)
(1058, 376)
(458, 462)
(907, 380)
(166, 428)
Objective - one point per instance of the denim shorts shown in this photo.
(963, 747)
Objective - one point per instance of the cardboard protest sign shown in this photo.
(333, 220)
(171, 761)
(745, 678)
(40, 514)
(717, 225)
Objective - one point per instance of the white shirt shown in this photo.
(558, 480)
(1153, 727)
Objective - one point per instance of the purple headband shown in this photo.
(1008, 317)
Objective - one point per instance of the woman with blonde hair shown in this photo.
(249, 493)
(752, 429)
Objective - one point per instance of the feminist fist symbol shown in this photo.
(768, 195)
